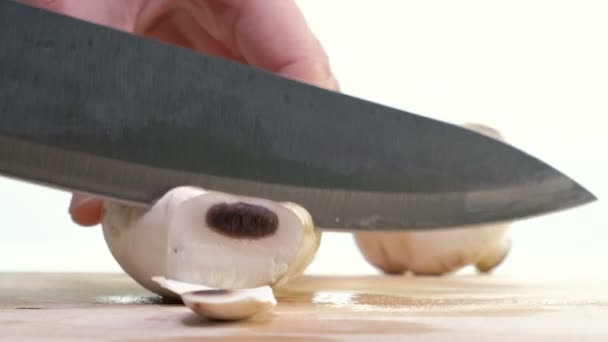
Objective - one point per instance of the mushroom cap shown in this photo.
(137, 236)
(309, 245)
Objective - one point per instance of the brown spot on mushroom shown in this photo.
(242, 220)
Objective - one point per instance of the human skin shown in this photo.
(269, 34)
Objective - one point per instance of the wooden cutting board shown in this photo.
(108, 307)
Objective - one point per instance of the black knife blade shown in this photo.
(88, 108)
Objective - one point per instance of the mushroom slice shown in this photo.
(179, 287)
(221, 304)
(230, 304)
(227, 241)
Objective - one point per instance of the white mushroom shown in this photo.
(221, 304)
(438, 251)
(435, 252)
(214, 239)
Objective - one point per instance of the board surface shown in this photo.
(111, 307)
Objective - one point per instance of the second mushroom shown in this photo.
(439, 251)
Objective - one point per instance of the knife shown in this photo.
(91, 109)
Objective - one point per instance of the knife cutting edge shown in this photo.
(90, 109)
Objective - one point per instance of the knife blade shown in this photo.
(91, 109)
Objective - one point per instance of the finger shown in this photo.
(175, 23)
(274, 35)
(116, 14)
(270, 34)
(85, 210)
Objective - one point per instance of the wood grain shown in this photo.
(111, 307)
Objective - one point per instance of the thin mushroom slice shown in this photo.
(179, 287)
(221, 304)
(230, 304)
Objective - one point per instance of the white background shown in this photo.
(535, 70)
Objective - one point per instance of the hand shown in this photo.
(270, 34)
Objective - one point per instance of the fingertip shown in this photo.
(275, 36)
(85, 211)
(316, 73)
(333, 83)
